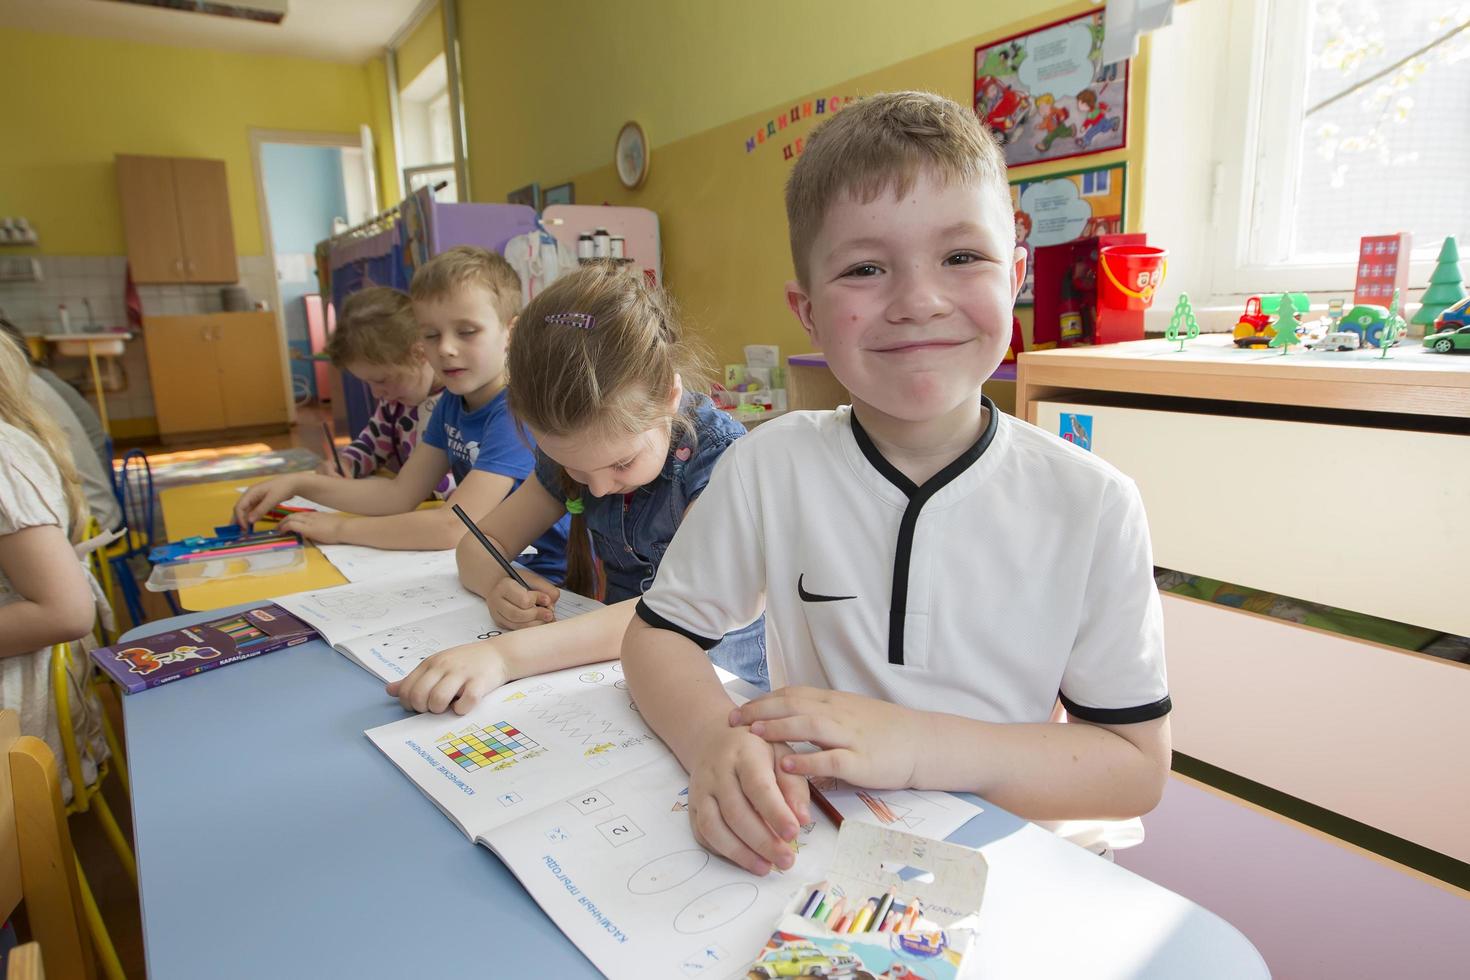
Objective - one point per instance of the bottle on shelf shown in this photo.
(601, 243)
(584, 246)
(63, 318)
(617, 247)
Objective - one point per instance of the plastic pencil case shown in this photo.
(183, 575)
(946, 881)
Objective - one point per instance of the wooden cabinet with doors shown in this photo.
(216, 371)
(176, 218)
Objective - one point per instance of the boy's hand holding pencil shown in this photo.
(862, 740)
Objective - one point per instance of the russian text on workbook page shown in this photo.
(389, 626)
(560, 777)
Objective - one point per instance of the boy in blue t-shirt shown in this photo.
(465, 300)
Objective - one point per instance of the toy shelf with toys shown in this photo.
(1339, 479)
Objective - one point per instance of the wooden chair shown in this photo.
(88, 796)
(37, 864)
(24, 963)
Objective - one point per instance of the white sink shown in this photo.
(78, 345)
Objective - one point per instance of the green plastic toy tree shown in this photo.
(1393, 327)
(1182, 325)
(1445, 285)
(1285, 324)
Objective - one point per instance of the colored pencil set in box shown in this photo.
(153, 660)
(228, 542)
(893, 904)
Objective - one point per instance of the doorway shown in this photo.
(308, 187)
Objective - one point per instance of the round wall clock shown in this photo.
(630, 155)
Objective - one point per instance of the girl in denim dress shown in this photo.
(605, 381)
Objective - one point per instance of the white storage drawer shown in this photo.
(1366, 731)
(1374, 520)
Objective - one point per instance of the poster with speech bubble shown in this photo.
(1064, 207)
(1046, 94)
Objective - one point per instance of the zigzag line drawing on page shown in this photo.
(558, 712)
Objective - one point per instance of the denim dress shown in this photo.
(631, 532)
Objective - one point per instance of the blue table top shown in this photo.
(274, 839)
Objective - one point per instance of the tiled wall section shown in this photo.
(77, 280)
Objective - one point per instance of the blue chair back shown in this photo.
(135, 495)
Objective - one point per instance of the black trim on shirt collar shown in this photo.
(1118, 716)
(918, 497)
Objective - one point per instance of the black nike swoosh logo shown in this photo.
(814, 597)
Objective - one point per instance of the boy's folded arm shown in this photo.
(675, 686)
(1049, 771)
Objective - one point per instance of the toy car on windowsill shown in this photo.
(1453, 317)
(1336, 340)
(1449, 340)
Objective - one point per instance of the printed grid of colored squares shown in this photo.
(486, 746)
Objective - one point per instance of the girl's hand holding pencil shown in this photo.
(522, 598)
(514, 607)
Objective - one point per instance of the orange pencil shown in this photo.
(834, 916)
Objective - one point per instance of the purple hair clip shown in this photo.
(582, 321)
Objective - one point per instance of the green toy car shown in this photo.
(1367, 321)
(1449, 340)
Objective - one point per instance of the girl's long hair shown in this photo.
(17, 408)
(598, 349)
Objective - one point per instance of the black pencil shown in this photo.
(327, 432)
(489, 546)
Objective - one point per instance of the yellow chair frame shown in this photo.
(88, 796)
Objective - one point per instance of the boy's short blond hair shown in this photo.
(884, 142)
(463, 265)
(376, 327)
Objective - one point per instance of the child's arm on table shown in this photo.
(522, 518)
(741, 805)
(431, 530)
(405, 491)
(1047, 771)
(56, 602)
(458, 677)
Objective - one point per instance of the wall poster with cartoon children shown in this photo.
(1064, 207)
(1047, 95)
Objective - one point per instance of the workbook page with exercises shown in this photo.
(388, 626)
(560, 777)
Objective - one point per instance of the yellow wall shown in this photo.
(77, 101)
(546, 94)
(720, 208)
(422, 45)
(375, 86)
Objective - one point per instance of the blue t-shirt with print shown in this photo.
(631, 532)
(487, 439)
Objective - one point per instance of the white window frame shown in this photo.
(1240, 168)
(1260, 171)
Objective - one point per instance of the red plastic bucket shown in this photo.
(1131, 275)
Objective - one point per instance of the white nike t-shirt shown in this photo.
(1020, 573)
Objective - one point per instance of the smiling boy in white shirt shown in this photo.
(936, 576)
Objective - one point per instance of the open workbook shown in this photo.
(388, 626)
(560, 777)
